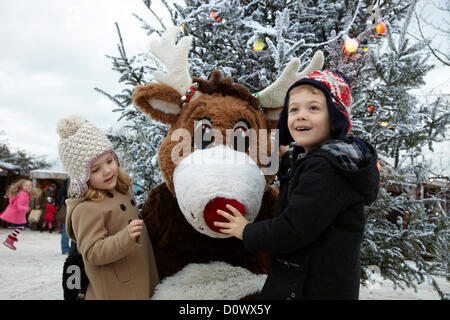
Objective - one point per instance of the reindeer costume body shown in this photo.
(208, 160)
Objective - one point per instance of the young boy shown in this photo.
(314, 241)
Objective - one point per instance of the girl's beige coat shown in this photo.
(117, 266)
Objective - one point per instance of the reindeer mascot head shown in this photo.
(217, 151)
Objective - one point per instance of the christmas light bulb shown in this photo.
(350, 45)
(381, 28)
(258, 45)
(212, 16)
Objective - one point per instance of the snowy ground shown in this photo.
(34, 271)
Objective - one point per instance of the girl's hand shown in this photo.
(134, 229)
(283, 149)
(236, 223)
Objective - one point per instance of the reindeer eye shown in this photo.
(241, 125)
(203, 134)
(241, 139)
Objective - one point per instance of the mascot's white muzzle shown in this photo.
(208, 179)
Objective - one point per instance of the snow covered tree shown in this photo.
(139, 141)
(21, 158)
(226, 34)
(403, 225)
(252, 41)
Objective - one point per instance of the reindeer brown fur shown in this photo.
(179, 236)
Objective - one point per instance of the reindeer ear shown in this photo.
(272, 115)
(160, 102)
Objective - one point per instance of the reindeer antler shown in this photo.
(175, 59)
(273, 96)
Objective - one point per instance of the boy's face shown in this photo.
(308, 119)
(104, 173)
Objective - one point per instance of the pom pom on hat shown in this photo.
(81, 144)
(67, 127)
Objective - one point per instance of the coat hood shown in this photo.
(22, 193)
(356, 160)
(71, 205)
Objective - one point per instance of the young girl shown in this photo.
(19, 195)
(102, 216)
(49, 214)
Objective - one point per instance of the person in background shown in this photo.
(42, 201)
(19, 195)
(61, 215)
(50, 211)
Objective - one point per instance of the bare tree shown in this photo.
(432, 18)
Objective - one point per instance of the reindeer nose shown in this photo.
(210, 214)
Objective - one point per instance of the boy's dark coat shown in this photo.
(315, 239)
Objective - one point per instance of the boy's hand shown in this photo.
(236, 223)
(134, 229)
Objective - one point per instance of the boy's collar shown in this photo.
(298, 152)
(299, 149)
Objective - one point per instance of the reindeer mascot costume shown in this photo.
(217, 152)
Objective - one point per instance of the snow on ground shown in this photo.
(34, 271)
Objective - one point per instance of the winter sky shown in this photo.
(52, 55)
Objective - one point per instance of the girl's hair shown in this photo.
(15, 188)
(123, 185)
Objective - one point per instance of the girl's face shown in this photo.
(27, 186)
(104, 173)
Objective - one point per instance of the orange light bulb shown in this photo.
(381, 28)
(212, 14)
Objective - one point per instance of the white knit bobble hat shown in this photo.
(80, 146)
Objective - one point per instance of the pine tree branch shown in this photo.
(148, 5)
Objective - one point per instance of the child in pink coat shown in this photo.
(15, 213)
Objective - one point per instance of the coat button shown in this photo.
(109, 195)
(133, 203)
(122, 206)
(293, 294)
